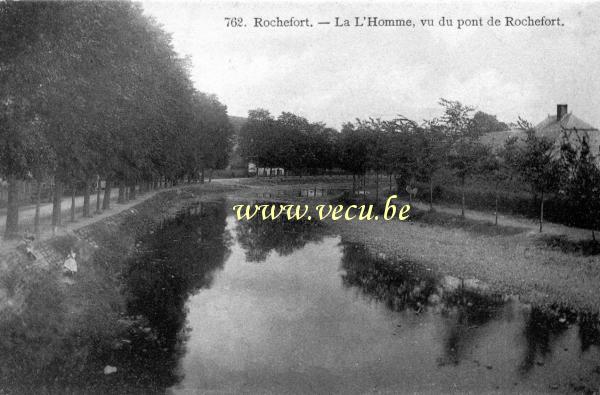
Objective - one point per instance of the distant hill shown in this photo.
(496, 140)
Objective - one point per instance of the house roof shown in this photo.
(549, 128)
(553, 129)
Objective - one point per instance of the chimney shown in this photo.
(561, 111)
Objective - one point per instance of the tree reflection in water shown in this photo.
(545, 326)
(466, 310)
(259, 237)
(589, 330)
(175, 262)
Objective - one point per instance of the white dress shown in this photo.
(70, 264)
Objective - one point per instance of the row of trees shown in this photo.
(289, 141)
(94, 90)
(412, 152)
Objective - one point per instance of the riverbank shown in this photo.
(508, 264)
(513, 258)
(51, 319)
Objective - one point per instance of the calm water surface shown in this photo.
(296, 311)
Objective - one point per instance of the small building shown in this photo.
(253, 170)
(555, 127)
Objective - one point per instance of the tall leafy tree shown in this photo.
(581, 183)
(466, 156)
(355, 142)
(431, 151)
(487, 123)
(537, 164)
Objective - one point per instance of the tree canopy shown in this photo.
(92, 89)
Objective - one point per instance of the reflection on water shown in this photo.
(402, 286)
(176, 260)
(320, 315)
(466, 306)
(259, 238)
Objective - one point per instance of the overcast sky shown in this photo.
(334, 74)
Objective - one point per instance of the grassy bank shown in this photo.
(509, 263)
(64, 326)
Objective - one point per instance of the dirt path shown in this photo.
(27, 213)
(508, 220)
(26, 218)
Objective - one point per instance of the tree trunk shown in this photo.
(364, 186)
(73, 202)
(377, 189)
(431, 194)
(542, 213)
(36, 218)
(56, 204)
(202, 175)
(98, 196)
(462, 198)
(210, 174)
(132, 195)
(86, 199)
(12, 208)
(107, 193)
(496, 208)
(121, 198)
(593, 235)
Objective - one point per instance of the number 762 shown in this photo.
(234, 22)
